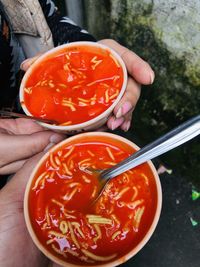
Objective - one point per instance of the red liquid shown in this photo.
(60, 204)
(74, 85)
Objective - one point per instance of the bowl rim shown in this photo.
(86, 123)
(133, 251)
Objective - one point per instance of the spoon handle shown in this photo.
(172, 139)
(10, 114)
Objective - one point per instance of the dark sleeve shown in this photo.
(8, 72)
(63, 29)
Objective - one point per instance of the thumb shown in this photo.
(28, 62)
(18, 147)
(15, 188)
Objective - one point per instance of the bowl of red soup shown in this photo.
(77, 85)
(63, 219)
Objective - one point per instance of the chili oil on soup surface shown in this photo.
(66, 223)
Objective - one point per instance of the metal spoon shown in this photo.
(172, 139)
(10, 114)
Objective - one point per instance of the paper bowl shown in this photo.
(149, 226)
(89, 124)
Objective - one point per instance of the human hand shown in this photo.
(20, 139)
(16, 246)
(140, 73)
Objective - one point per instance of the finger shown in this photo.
(125, 126)
(20, 126)
(15, 188)
(114, 123)
(129, 99)
(19, 147)
(139, 69)
(28, 62)
(12, 167)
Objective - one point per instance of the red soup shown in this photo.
(73, 85)
(60, 197)
(61, 192)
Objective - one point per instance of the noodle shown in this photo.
(134, 204)
(114, 59)
(38, 180)
(96, 257)
(47, 216)
(77, 227)
(137, 218)
(69, 152)
(50, 241)
(57, 160)
(58, 250)
(116, 234)
(107, 98)
(87, 180)
(113, 96)
(67, 171)
(115, 219)
(145, 178)
(59, 235)
(90, 153)
(98, 219)
(66, 123)
(98, 230)
(57, 203)
(94, 192)
(97, 62)
(73, 235)
(69, 196)
(110, 153)
(121, 193)
(63, 227)
(135, 193)
(53, 163)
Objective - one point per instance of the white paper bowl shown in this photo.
(87, 138)
(89, 125)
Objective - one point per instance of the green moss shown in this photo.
(174, 97)
(193, 74)
(143, 8)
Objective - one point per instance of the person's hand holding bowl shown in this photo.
(139, 73)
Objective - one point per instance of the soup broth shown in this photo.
(73, 85)
(60, 199)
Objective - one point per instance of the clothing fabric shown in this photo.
(62, 29)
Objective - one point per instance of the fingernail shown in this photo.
(22, 66)
(152, 77)
(116, 123)
(127, 125)
(56, 138)
(119, 113)
(126, 107)
(48, 146)
(28, 62)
